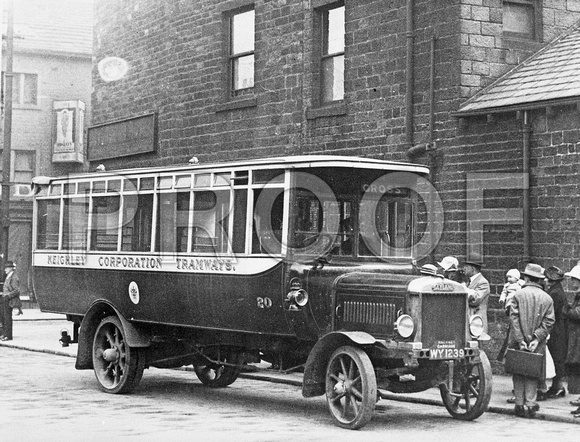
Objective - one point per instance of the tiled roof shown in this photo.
(553, 73)
(52, 26)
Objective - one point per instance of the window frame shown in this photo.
(14, 170)
(536, 13)
(233, 57)
(18, 88)
(325, 54)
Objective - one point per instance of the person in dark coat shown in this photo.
(572, 315)
(531, 318)
(558, 342)
(10, 292)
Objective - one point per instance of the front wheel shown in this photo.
(351, 387)
(118, 367)
(471, 391)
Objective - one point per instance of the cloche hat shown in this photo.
(554, 273)
(449, 263)
(534, 270)
(429, 269)
(513, 272)
(574, 273)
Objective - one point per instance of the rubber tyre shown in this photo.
(123, 370)
(471, 391)
(351, 387)
(220, 376)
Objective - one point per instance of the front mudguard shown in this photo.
(315, 368)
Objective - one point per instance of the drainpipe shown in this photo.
(422, 148)
(526, 135)
(409, 117)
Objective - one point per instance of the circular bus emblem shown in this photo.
(134, 292)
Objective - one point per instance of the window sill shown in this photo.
(331, 110)
(237, 103)
(26, 106)
(514, 41)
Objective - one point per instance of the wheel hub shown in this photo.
(110, 355)
(340, 387)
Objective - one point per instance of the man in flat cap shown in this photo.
(532, 318)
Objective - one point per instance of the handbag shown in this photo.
(524, 363)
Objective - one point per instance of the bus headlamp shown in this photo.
(476, 326)
(297, 298)
(405, 326)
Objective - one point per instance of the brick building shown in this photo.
(229, 79)
(51, 65)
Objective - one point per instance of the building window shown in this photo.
(241, 51)
(332, 60)
(24, 88)
(521, 19)
(23, 168)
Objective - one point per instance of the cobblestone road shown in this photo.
(43, 398)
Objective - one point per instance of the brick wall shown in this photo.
(486, 53)
(174, 50)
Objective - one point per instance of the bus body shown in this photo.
(304, 262)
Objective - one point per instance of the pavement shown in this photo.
(40, 332)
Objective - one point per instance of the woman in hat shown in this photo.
(450, 266)
(558, 342)
(572, 314)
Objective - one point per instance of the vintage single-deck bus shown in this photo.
(306, 262)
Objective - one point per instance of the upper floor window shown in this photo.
(521, 18)
(24, 88)
(332, 61)
(23, 167)
(241, 51)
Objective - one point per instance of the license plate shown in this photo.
(446, 353)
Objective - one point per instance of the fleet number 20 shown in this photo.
(264, 302)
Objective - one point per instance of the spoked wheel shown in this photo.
(117, 366)
(471, 390)
(351, 387)
(216, 375)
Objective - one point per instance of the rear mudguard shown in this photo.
(134, 336)
(315, 368)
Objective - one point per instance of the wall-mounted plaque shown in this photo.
(69, 122)
(123, 138)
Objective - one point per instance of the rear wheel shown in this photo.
(219, 375)
(118, 367)
(351, 387)
(471, 391)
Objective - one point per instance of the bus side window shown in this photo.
(47, 224)
(137, 223)
(105, 223)
(210, 221)
(267, 231)
(173, 222)
(75, 223)
(239, 230)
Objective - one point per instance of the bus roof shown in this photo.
(293, 162)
